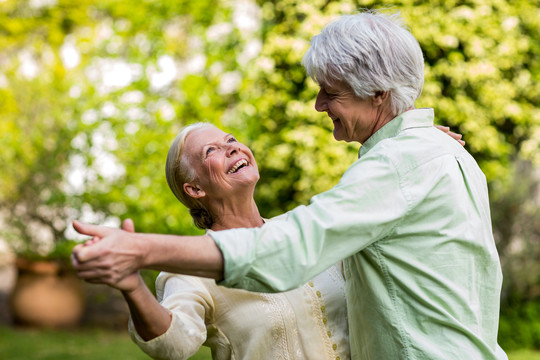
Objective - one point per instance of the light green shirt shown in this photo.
(411, 219)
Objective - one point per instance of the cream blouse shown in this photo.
(309, 322)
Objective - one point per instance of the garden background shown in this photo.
(92, 92)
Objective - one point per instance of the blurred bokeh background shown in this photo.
(92, 92)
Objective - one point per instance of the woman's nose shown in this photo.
(232, 149)
(321, 101)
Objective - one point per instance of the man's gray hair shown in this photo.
(370, 51)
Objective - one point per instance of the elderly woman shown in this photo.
(214, 175)
(410, 217)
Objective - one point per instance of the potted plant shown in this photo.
(47, 293)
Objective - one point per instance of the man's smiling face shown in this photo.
(354, 118)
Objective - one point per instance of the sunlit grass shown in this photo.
(524, 355)
(87, 344)
(97, 344)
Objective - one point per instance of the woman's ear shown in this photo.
(380, 97)
(193, 190)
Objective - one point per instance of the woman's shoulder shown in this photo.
(167, 276)
(183, 281)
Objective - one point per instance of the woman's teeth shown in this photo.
(236, 166)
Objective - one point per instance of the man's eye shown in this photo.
(209, 150)
(328, 93)
(331, 95)
(232, 139)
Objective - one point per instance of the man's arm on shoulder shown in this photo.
(281, 255)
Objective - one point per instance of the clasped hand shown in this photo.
(109, 257)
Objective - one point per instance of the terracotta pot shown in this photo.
(45, 295)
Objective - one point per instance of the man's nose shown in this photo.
(321, 101)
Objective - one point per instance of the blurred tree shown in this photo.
(516, 224)
(36, 127)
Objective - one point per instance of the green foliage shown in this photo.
(86, 136)
(481, 78)
(482, 73)
(516, 225)
(109, 108)
(516, 215)
(519, 325)
(61, 254)
(34, 132)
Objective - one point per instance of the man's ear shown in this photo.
(380, 97)
(193, 190)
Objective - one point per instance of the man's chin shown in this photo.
(338, 134)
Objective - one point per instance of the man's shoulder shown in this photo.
(412, 148)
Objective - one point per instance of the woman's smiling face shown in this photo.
(221, 163)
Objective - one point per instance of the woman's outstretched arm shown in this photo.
(149, 317)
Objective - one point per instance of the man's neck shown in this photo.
(384, 117)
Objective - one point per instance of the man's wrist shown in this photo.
(143, 250)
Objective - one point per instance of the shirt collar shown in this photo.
(415, 118)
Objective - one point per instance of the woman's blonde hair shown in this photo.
(178, 171)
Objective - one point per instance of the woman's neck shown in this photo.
(230, 214)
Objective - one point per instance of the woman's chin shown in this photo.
(247, 179)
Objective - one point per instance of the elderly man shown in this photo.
(410, 217)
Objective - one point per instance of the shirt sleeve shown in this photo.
(189, 303)
(366, 205)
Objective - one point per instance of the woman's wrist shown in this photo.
(137, 290)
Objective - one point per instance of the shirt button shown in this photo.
(329, 334)
(338, 358)
(324, 320)
(310, 283)
(323, 308)
(334, 346)
(319, 293)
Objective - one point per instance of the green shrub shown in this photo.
(519, 325)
